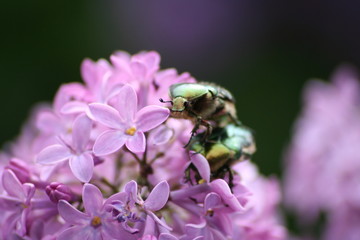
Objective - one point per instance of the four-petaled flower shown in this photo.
(95, 223)
(127, 124)
(80, 158)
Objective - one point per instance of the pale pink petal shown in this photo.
(120, 196)
(167, 236)
(211, 200)
(136, 143)
(201, 164)
(92, 198)
(71, 214)
(139, 70)
(81, 132)
(131, 188)
(106, 115)
(221, 187)
(109, 142)
(74, 107)
(53, 154)
(88, 72)
(76, 232)
(150, 117)
(161, 135)
(121, 60)
(158, 197)
(127, 103)
(82, 166)
(12, 185)
(48, 122)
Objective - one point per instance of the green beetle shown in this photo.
(201, 102)
(224, 147)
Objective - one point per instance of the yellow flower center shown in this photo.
(23, 205)
(96, 221)
(130, 131)
(209, 212)
(201, 181)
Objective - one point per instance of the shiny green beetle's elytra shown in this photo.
(190, 91)
(201, 102)
(225, 146)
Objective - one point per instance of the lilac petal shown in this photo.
(7, 202)
(29, 191)
(211, 200)
(167, 236)
(150, 117)
(195, 229)
(117, 232)
(53, 154)
(161, 135)
(12, 185)
(37, 229)
(108, 142)
(106, 115)
(158, 197)
(72, 215)
(127, 103)
(77, 232)
(81, 132)
(138, 70)
(149, 228)
(201, 164)
(92, 198)
(48, 122)
(158, 221)
(120, 196)
(221, 187)
(74, 107)
(88, 72)
(136, 143)
(82, 166)
(131, 188)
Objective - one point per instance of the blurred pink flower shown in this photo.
(322, 164)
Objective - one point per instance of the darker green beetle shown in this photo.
(224, 147)
(201, 102)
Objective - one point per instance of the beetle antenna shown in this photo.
(162, 100)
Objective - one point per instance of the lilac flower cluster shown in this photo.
(323, 160)
(106, 162)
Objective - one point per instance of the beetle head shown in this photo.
(179, 104)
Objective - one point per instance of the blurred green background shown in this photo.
(263, 51)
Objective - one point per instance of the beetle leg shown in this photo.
(196, 127)
(208, 130)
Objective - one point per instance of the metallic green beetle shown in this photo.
(201, 102)
(225, 146)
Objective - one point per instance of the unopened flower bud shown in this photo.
(58, 191)
(20, 169)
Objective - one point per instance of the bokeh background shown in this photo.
(263, 51)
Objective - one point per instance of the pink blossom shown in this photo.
(322, 163)
(127, 127)
(137, 192)
(80, 159)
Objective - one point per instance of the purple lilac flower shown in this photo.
(128, 126)
(138, 191)
(322, 164)
(80, 159)
(134, 209)
(95, 223)
(18, 201)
